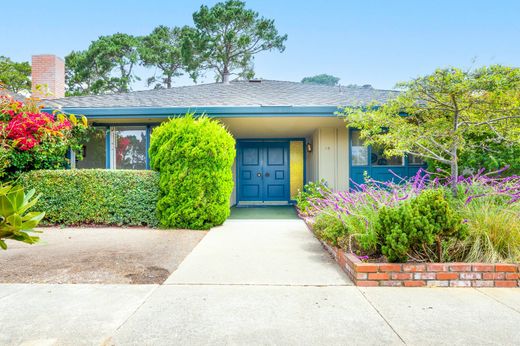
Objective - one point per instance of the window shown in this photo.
(129, 147)
(94, 152)
(359, 150)
(414, 160)
(377, 158)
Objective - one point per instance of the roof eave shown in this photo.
(211, 111)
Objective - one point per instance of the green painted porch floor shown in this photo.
(277, 213)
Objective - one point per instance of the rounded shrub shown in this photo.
(416, 224)
(194, 157)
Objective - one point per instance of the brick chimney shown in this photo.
(48, 71)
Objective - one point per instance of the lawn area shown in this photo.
(98, 255)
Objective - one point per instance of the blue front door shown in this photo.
(263, 171)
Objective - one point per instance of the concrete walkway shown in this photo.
(261, 252)
(256, 282)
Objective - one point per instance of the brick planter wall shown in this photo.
(427, 274)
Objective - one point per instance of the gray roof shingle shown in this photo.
(236, 93)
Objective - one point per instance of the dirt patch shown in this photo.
(98, 255)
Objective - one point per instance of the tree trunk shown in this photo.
(454, 171)
(454, 148)
(439, 248)
(225, 75)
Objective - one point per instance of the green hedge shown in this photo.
(96, 196)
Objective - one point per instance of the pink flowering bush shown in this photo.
(33, 139)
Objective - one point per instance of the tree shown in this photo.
(15, 76)
(170, 50)
(434, 115)
(107, 66)
(322, 79)
(229, 35)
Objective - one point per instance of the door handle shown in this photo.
(267, 174)
(258, 174)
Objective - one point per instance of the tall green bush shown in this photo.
(194, 158)
(95, 196)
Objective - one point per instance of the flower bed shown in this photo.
(425, 274)
(418, 232)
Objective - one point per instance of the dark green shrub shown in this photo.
(410, 228)
(96, 196)
(194, 158)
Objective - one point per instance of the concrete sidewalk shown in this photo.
(257, 282)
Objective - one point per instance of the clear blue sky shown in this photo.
(362, 42)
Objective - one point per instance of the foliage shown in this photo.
(15, 76)
(310, 191)
(96, 196)
(408, 229)
(495, 233)
(330, 228)
(484, 150)
(169, 50)
(489, 204)
(106, 66)
(194, 157)
(15, 221)
(321, 79)
(229, 35)
(32, 139)
(434, 115)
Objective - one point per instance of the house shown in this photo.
(287, 133)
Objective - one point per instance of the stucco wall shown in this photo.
(329, 158)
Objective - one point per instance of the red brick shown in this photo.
(493, 276)
(361, 276)
(506, 284)
(402, 276)
(378, 276)
(424, 276)
(389, 267)
(460, 267)
(483, 283)
(414, 283)
(437, 283)
(460, 283)
(367, 283)
(512, 276)
(447, 276)
(366, 268)
(483, 267)
(340, 258)
(48, 70)
(470, 276)
(437, 267)
(506, 267)
(414, 267)
(391, 283)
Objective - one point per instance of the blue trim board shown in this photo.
(210, 111)
(147, 146)
(107, 148)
